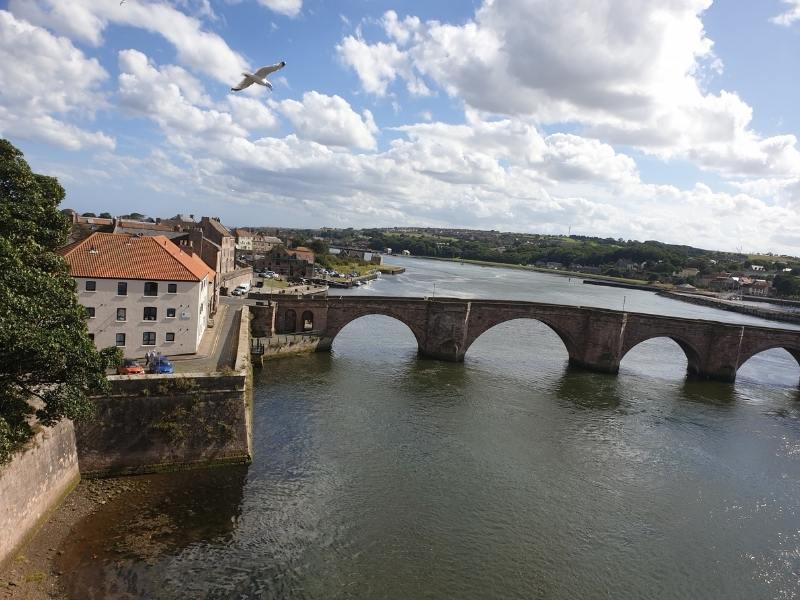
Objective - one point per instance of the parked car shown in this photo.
(130, 367)
(161, 365)
(241, 289)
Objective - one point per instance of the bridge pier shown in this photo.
(610, 367)
(438, 354)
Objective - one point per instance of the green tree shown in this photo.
(106, 215)
(48, 365)
(786, 285)
(88, 214)
(319, 247)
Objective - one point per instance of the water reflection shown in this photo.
(163, 515)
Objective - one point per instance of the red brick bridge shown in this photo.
(595, 338)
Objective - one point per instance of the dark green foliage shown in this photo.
(48, 365)
(105, 215)
(787, 285)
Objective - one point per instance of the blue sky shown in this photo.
(673, 120)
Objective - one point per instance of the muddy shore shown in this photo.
(34, 573)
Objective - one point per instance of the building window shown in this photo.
(122, 288)
(89, 311)
(170, 337)
(122, 314)
(120, 341)
(149, 338)
(150, 288)
(170, 313)
(91, 286)
(150, 313)
(172, 288)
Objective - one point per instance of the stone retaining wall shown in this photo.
(34, 483)
(166, 422)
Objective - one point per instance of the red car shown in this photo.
(130, 367)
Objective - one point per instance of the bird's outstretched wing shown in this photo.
(264, 71)
(242, 84)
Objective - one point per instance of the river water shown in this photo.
(381, 475)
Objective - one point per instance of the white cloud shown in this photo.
(628, 72)
(375, 64)
(791, 14)
(44, 79)
(290, 8)
(329, 120)
(150, 92)
(86, 20)
(253, 114)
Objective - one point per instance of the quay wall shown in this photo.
(755, 311)
(34, 483)
(153, 423)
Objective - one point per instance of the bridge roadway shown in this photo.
(595, 338)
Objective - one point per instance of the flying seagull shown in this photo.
(259, 77)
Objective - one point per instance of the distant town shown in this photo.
(293, 253)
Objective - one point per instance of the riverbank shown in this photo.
(562, 272)
(34, 573)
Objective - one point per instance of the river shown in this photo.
(378, 474)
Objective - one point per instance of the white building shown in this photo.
(244, 239)
(141, 293)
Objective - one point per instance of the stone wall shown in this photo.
(151, 423)
(155, 423)
(34, 483)
(230, 280)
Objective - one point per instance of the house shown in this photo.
(295, 263)
(757, 268)
(759, 287)
(723, 283)
(244, 239)
(262, 244)
(141, 293)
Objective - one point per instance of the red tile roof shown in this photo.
(122, 256)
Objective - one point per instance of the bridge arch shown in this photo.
(476, 332)
(338, 322)
(793, 351)
(694, 361)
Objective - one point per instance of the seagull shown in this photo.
(259, 77)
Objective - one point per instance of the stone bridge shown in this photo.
(595, 338)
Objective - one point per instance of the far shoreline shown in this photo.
(561, 272)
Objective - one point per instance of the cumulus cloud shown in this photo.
(790, 15)
(329, 120)
(629, 72)
(44, 79)
(86, 20)
(290, 8)
(148, 91)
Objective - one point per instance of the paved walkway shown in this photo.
(217, 348)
